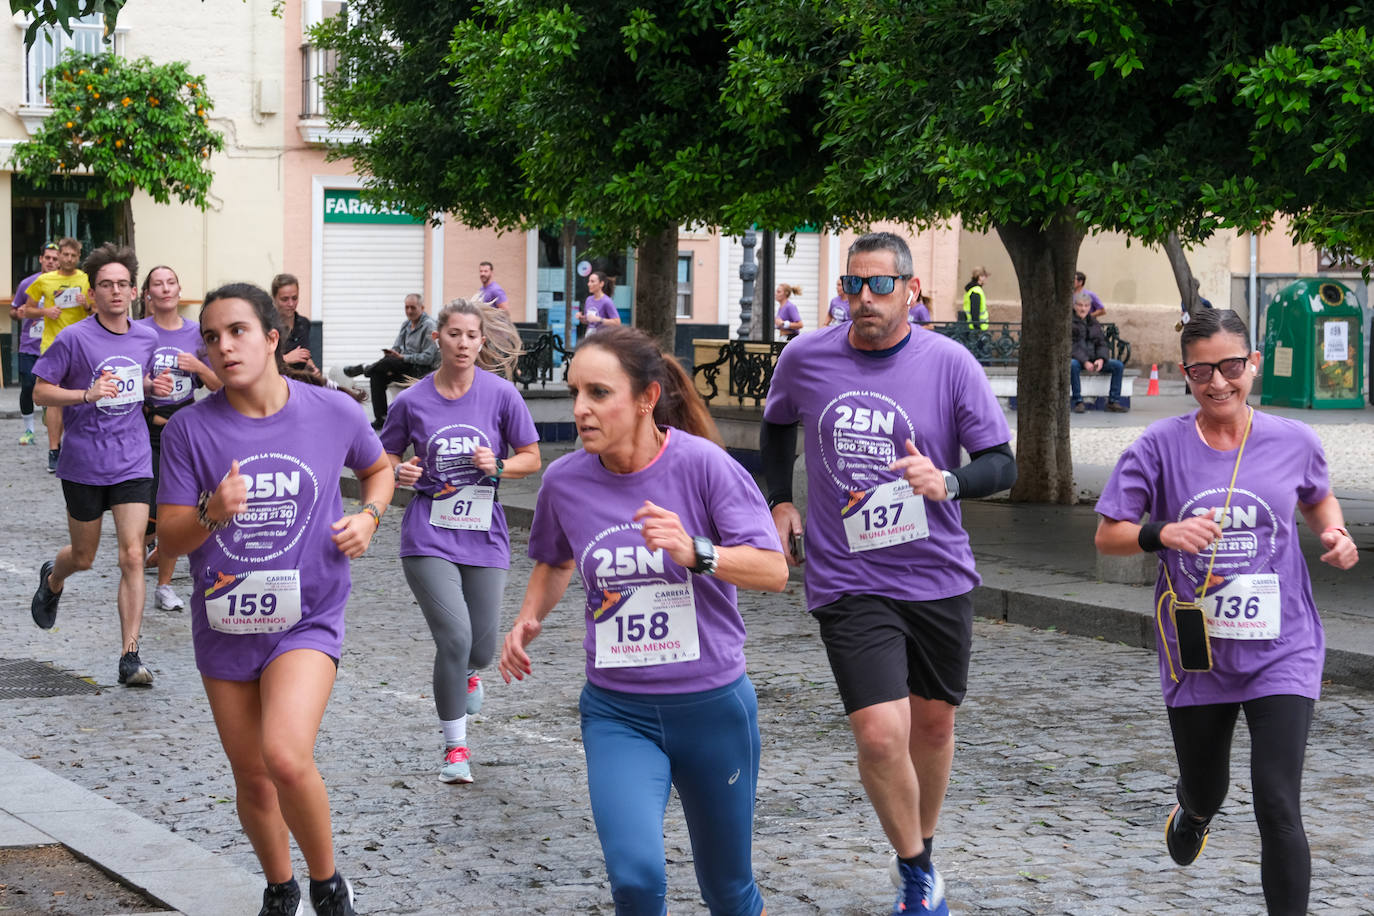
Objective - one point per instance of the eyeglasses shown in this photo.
(108, 285)
(1231, 368)
(881, 285)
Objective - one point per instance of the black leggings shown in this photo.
(1278, 741)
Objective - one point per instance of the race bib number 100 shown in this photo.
(263, 601)
(129, 380)
(888, 514)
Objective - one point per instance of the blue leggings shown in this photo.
(706, 744)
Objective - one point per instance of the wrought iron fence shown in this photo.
(316, 64)
(536, 363)
(751, 372)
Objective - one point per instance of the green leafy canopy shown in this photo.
(132, 123)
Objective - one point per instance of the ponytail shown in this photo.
(501, 345)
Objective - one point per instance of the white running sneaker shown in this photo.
(457, 767)
(164, 599)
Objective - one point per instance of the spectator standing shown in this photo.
(976, 300)
(490, 292)
(1080, 280)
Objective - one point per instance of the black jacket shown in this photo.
(1089, 340)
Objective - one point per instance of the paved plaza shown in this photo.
(1061, 778)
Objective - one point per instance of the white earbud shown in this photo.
(1252, 368)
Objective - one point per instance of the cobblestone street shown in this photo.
(1061, 778)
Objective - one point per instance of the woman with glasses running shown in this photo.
(1237, 625)
(464, 422)
(662, 526)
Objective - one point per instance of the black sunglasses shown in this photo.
(1230, 368)
(881, 284)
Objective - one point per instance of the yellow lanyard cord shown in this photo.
(1170, 593)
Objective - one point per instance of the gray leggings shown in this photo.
(462, 605)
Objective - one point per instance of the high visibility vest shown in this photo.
(978, 322)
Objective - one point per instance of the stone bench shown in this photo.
(1095, 386)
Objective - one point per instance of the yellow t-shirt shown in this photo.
(60, 291)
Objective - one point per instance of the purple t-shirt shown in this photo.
(292, 460)
(30, 329)
(445, 433)
(585, 513)
(918, 314)
(170, 345)
(105, 442)
(492, 294)
(1171, 474)
(839, 309)
(857, 410)
(602, 306)
(1096, 305)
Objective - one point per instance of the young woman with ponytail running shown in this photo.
(463, 422)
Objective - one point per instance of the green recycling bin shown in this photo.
(1313, 347)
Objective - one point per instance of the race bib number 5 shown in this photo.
(888, 514)
(1247, 607)
(263, 601)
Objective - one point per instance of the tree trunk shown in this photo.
(1183, 274)
(656, 287)
(126, 237)
(1045, 259)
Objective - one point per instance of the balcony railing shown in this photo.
(87, 37)
(316, 63)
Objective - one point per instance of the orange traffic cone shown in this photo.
(1154, 380)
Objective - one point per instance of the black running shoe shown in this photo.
(53, 455)
(132, 671)
(45, 599)
(282, 900)
(1184, 836)
(333, 897)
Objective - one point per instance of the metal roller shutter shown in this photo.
(368, 270)
(802, 269)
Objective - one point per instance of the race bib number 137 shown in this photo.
(888, 514)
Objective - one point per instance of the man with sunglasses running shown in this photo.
(888, 565)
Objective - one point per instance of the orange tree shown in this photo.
(133, 124)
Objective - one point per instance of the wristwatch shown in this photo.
(951, 486)
(500, 468)
(706, 556)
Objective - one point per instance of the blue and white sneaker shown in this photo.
(476, 693)
(917, 891)
(457, 766)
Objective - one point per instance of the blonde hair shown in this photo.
(791, 290)
(501, 346)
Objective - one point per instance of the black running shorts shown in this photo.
(884, 649)
(87, 502)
